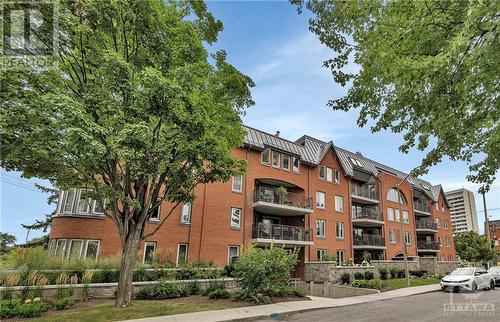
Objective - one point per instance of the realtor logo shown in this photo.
(468, 305)
(29, 34)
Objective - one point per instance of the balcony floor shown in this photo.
(281, 210)
(280, 242)
(364, 200)
(369, 247)
(366, 222)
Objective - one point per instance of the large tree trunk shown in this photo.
(129, 253)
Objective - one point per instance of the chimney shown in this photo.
(277, 134)
(359, 153)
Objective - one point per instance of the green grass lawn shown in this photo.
(105, 311)
(393, 284)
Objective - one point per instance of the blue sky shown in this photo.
(271, 43)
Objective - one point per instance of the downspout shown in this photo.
(245, 190)
(309, 215)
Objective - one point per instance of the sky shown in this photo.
(271, 43)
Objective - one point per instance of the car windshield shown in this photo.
(463, 271)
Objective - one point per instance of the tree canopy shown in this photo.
(137, 111)
(427, 69)
(6, 242)
(472, 247)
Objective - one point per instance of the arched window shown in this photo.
(392, 195)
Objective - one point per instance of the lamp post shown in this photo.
(401, 218)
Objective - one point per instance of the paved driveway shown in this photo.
(436, 306)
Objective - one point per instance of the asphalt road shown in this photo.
(436, 306)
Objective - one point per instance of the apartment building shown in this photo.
(306, 194)
(462, 210)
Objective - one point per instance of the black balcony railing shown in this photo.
(372, 213)
(366, 191)
(426, 224)
(421, 205)
(281, 197)
(433, 245)
(369, 240)
(281, 232)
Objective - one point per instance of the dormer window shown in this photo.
(276, 159)
(265, 156)
(425, 186)
(296, 162)
(356, 162)
(411, 181)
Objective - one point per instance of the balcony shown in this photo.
(276, 201)
(421, 207)
(370, 216)
(368, 241)
(426, 226)
(265, 234)
(365, 194)
(425, 246)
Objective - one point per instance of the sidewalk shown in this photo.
(287, 307)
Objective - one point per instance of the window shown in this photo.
(392, 195)
(320, 200)
(406, 217)
(337, 176)
(296, 162)
(237, 183)
(320, 254)
(286, 162)
(149, 252)
(276, 159)
(438, 223)
(442, 207)
(233, 253)
(425, 186)
(264, 156)
(75, 248)
(68, 200)
(235, 217)
(322, 172)
(320, 228)
(186, 213)
(339, 230)
(447, 241)
(449, 258)
(52, 245)
(437, 206)
(340, 257)
(446, 224)
(407, 237)
(60, 248)
(398, 215)
(440, 241)
(356, 162)
(155, 213)
(92, 249)
(182, 252)
(392, 236)
(83, 204)
(329, 174)
(339, 203)
(390, 214)
(98, 206)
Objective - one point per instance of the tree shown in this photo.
(135, 111)
(6, 242)
(472, 247)
(47, 221)
(427, 69)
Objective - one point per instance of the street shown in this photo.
(436, 306)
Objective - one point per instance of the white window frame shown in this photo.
(390, 214)
(234, 188)
(321, 168)
(189, 206)
(64, 199)
(397, 215)
(320, 206)
(438, 223)
(144, 251)
(446, 224)
(295, 169)
(437, 206)
(340, 253)
(278, 163)
(440, 241)
(289, 158)
(51, 247)
(408, 237)
(337, 176)
(393, 236)
(321, 252)
(329, 174)
(339, 227)
(77, 203)
(229, 252)
(87, 247)
(406, 217)
(71, 244)
(268, 152)
(322, 224)
(178, 252)
(337, 203)
(94, 204)
(231, 218)
(442, 207)
(63, 248)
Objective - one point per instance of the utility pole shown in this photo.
(403, 239)
(486, 220)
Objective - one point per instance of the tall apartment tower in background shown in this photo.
(463, 211)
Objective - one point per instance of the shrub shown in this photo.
(327, 257)
(417, 273)
(368, 275)
(212, 286)
(192, 288)
(253, 297)
(345, 278)
(394, 272)
(165, 289)
(30, 309)
(64, 303)
(260, 270)
(286, 291)
(229, 270)
(219, 294)
(401, 273)
(359, 276)
(8, 308)
(383, 273)
(373, 284)
(145, 293)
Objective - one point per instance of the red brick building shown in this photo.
(495, 233)
(305, 193)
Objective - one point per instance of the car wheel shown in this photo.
(474, 287)
(443, 288)
(492, 285)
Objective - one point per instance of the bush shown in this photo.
(8, 308)
(229, 270)
(401, 273)
(64, 303)
(165, 289)
(219, 294)
(394, 272)
(373, 284)
(261, 270)
(213, 286)
(418, 273)
(383, 273)
(257, 298)
(345, 278)
(145, 293)
(192, 288)
(359, 276)
(286, 291)
(369, 275)
(31, 308)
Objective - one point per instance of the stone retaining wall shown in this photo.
(334, 291)
(330, 272)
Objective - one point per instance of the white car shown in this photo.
(495, 271)
(468, 279)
